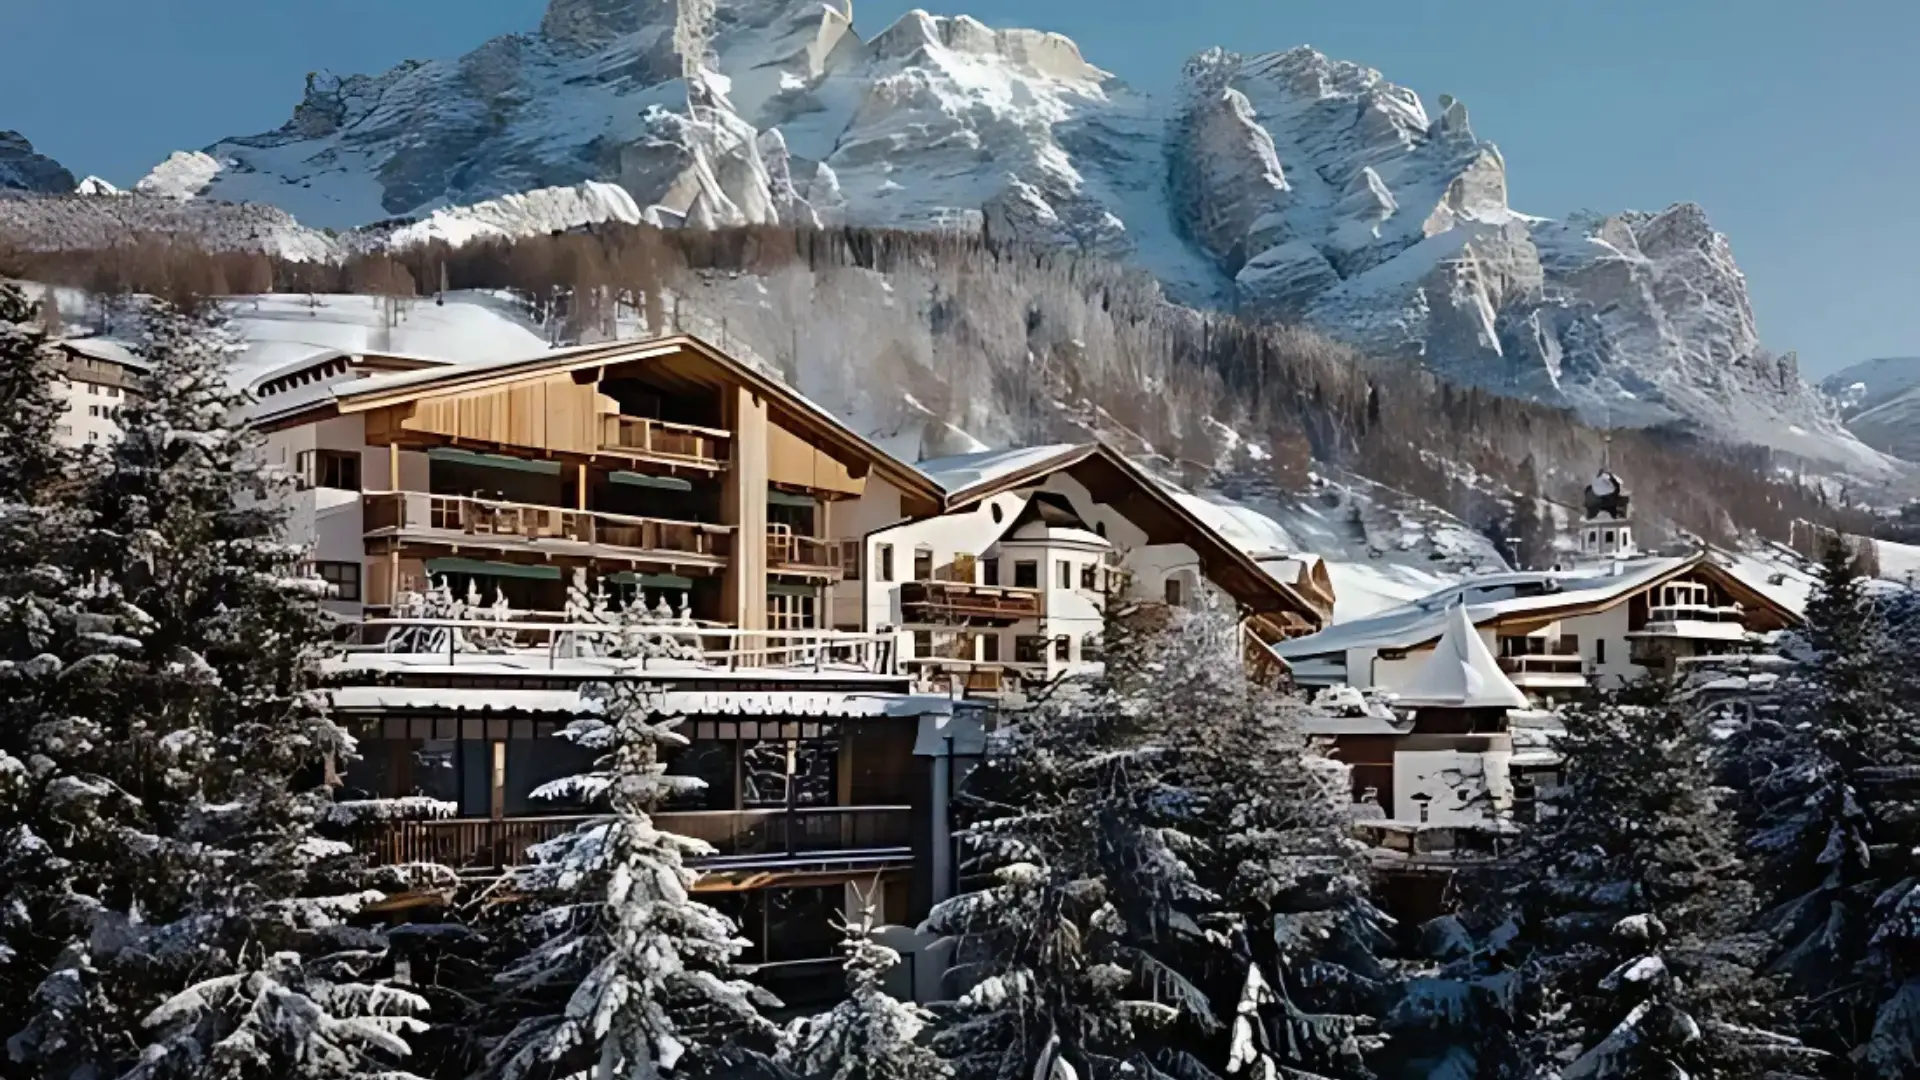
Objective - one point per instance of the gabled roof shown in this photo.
(1114, 479)
(1461, 673)
(1567, 594)
(105, 349)
(790, 405)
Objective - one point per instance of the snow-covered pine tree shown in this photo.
(1066, 820)
(1831, 801)
(216, 940)
(40, 621)
(1175, 893)
(1461, 1014)
(871, 1035)
(1633, 903)
(1281, 885)
(614, 970)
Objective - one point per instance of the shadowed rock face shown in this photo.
(22, 169)
(1287, 185)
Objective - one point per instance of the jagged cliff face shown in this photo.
(24, 170)
(1287, 185)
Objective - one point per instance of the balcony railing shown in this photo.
(791, 553)
(547, 639)
(947, 675)
(482, 845)
(959, 601)
(1543, 664)
(396, 512)
(700, 446)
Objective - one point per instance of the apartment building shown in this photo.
(1009, 585)
(101, 377)
(484, 525)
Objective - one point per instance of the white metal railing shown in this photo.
(475, 640)
(1671, 613)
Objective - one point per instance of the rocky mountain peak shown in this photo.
(24, 169)
(1286, 185)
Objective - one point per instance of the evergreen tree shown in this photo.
(40, 620)
(1062, 952)
(207, 916)
(614, 969)
(1632, 904)
(1175, 893)
(1463, 1013)
(1834, 812)
(1280, 883)
(871, 1035)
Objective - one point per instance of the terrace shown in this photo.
(546, 531)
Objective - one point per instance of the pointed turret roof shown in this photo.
(1461, 673)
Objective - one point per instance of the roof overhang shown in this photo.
(1112, 479)
(785, 406)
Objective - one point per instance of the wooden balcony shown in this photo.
(741, 839)
(963, 602)
(662, 440)
(946, 675)
(789, 553)
(457, 519)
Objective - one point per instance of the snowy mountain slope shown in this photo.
(90, 220)
(1880, 401)
(22, 169)
(1871, 383)
(1288, 184)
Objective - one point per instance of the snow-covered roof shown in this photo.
(963, 471)
(1483, 600)
(107, 350)
(1461, 673)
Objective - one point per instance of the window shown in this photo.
(923, 564)
(339, 469)
(1063, 648)
(93, 410)
(790, 611)
(343, 576)
(1063, 573)
(1090, 646)
(990, 571)
(922, 643)
(1030, 649)
(990, 648)
(1173, 591)
(1026, 574)
(113, 391)
(886, 561)
(850, 560)
(1090, 576)
(997, 512)
(1599, 650)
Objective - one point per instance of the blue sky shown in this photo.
(1793, 123)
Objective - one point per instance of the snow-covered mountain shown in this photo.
(1880, 401)
(1284, 184)
(22, 169)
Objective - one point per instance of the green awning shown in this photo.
(492, 569)
(493, 461)
(664, 483)
(787, 498)
(651, 581)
